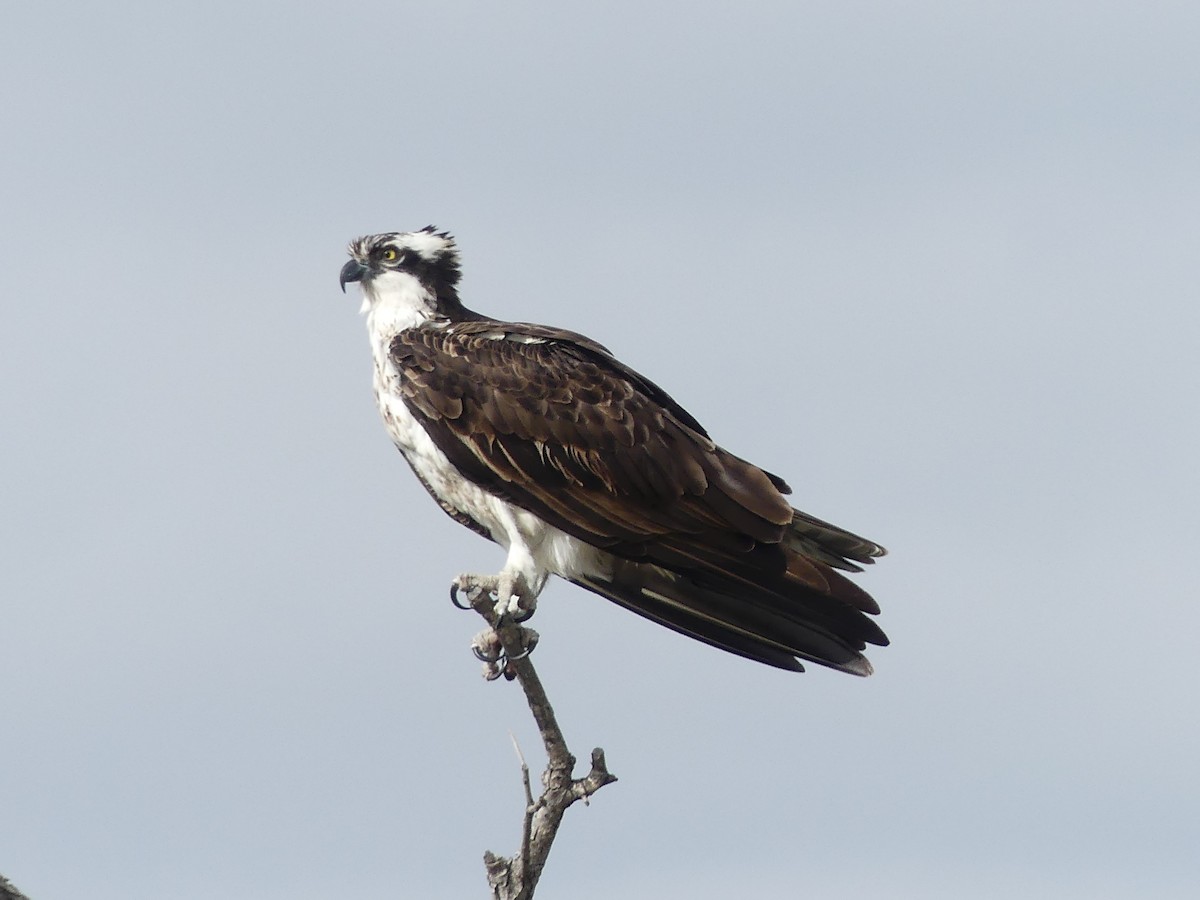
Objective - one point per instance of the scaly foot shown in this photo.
(511, 602)
(509, 593)
(490, 651)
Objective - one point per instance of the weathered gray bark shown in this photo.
(516, 877)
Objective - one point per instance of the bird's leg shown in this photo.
(518, 599)
(511, 602)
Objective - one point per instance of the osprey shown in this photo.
(542, 441)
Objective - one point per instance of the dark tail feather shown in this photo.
(832, 545)
(753, 623)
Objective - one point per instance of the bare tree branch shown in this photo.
(8, 892)
(515, 878)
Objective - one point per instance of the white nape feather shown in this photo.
(429, 245)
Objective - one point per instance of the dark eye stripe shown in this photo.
(386, 254)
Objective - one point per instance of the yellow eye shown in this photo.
(389, 254)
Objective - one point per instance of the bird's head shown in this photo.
(408, 268)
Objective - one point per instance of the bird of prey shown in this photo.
(542, 441)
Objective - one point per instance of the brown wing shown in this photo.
(550, 421)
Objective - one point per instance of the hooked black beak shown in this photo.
(352, 271)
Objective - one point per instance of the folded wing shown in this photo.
(707, 543)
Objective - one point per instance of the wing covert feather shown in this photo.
(529, 415)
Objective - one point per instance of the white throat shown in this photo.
(394, 301)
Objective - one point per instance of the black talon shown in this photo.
(524, 615)
(486, 657)
(530, 639)
(454, 596)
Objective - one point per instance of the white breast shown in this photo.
(430, 463)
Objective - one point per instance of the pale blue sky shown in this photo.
(933, 263)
